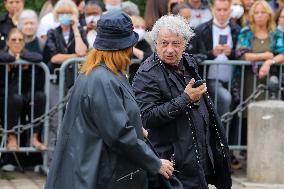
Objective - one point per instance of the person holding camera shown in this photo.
(88, 20)
(180, 117)
(217, 40)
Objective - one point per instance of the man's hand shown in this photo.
(218, 50)
(195, 93)
(166, 168)
(227, 50)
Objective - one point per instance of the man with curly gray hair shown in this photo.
(178, 113)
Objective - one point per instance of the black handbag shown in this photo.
(158, 181)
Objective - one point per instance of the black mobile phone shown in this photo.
(198, 83)
(223, 39)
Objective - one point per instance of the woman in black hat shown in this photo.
(101, 144)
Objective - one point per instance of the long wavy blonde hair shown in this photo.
(271, 25)
(116, 61)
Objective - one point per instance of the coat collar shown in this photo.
(122, 80)
(187, 64)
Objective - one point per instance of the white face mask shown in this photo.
(89, 19)
(237, 11)
(140, 32)
(110, 7)
(215, 21)
(92, 18)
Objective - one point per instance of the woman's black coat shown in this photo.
(101, 142)
(6, 58)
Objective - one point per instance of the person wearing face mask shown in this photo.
(64, 42)
(217, 40)
(111, 5)
(237, 11)
(89, 19)
(142, 50)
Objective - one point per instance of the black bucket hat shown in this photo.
(115, 32)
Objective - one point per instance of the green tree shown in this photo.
(37, 4)
(29, 4)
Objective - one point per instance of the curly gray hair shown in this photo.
(173, 23)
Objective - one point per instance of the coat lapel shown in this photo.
(123, 80)
(174, 81)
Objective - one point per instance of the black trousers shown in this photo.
(14, 109)
(38, 108)
(19, 106)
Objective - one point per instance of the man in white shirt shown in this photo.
(217, 40)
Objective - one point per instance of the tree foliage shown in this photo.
(37, 4)
(29, 4)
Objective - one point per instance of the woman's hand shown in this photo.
(74, 22)
(264, 69)
(267, 55)
(145, 133)
(166, 168)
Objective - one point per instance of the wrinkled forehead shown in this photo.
(16, 34)
(169, 35)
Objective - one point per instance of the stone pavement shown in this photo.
(31, 180)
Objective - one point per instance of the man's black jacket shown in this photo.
(166, 112)
(204, 39)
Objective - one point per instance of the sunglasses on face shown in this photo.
(17, 40)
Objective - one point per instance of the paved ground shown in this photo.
(31, 180)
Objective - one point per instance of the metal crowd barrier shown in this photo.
(73, 64)
(18, 129)
(236, 121)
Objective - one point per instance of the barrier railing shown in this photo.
(237, 122)
(237, 140)
(18, 79)
(73, 64)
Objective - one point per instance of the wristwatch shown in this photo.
(273, 61)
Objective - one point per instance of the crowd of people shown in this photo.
(218, 30)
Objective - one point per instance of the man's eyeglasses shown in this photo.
(17, 40)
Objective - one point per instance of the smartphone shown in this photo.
(223, 39)
(198, 83)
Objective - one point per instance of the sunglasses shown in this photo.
(17, 40)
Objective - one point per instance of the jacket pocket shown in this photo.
(186, 160)
(127, 176)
